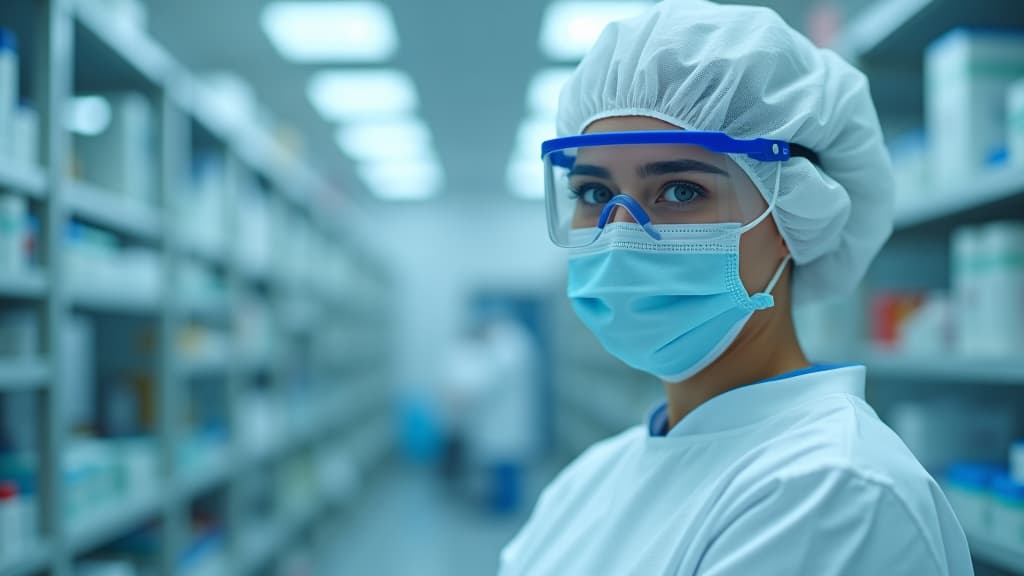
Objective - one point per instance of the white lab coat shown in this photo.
(787, 477)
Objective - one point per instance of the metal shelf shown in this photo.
(27, 562)
(24, 374)
(207, 254)
(29, 283)
(115, 302)
(109, 524)
(117, 212)
(952, 369)
(209, 477)
(900, 30)
(207, 309)
(987, 197)
(208, 366)
(993, 553)
(272, 541)
(26, 180)
(123, 46)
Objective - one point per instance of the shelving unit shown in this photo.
(26, 284)
(24, 374)
(29, 561)
(998, 194)
(74, 47)
(115, 521)
(996, 554)
(888, 40)
(113, 211)
(27, 180)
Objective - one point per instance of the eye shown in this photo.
(593, 194)
(681, 192)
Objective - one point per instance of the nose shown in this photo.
(622, 214)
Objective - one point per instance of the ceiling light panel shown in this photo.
(403, 180)
(401, 139)
(331, 31)
(570, 29)
(532, 133)
(345, 96)
(546, 85)
(525, 178)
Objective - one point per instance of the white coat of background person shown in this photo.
(504, 421)
(492, 392)
(714, 168)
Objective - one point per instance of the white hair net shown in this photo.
(742, 71)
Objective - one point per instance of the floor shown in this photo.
(408, 523)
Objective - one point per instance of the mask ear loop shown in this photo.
(765, 299)
(771, 202)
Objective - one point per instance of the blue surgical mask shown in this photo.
(669, 307)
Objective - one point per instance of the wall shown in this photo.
(441, 253)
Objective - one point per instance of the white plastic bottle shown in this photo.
(13, 233)
(1004, 287)
(1017, 460)
(10, 520)
(8, 89)
(966, 290)
(1015, 123)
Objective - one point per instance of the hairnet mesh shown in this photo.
(742, 71)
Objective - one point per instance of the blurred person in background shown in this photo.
(713, 169)
(489, 398)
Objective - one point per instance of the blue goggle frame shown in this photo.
(762, 149)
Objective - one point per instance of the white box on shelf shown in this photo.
(967, 73)
(1017, 460)
(122, 158)
(1015, 122)
(909, 154)
(8, 88)
(26, 135)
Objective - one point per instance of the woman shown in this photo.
(716, 169)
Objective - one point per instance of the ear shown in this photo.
(783, 248)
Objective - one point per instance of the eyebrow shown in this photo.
(652, 169)
(675, 166)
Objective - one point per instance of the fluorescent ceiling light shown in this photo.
(532, 132)
(386, 140)
(525, 178)
(570, 29)
(331, 31)
(403, 180)
(354, 95)
(542, 95)
(89, 115)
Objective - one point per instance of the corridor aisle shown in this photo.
(406, 523)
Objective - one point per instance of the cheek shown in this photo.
(759, 256)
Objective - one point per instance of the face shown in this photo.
(675, 184)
